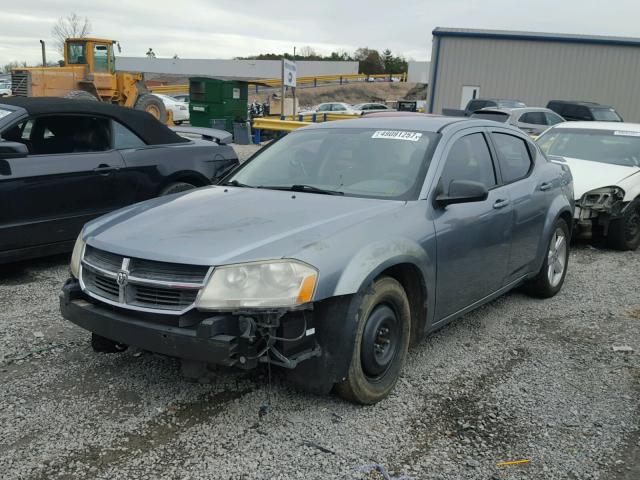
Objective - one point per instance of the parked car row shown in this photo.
(347, 109)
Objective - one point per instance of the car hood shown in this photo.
(222, 225)
(589, 175)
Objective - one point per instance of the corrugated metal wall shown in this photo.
(418, 72)
(537, 71)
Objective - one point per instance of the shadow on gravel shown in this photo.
(26, 271)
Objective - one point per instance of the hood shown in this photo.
(589, 175)
(221, 225)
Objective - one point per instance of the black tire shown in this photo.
(546, 284)
(104, 345)
(378, 356)
(176, 187)
(81, 95)
(153, 105)
(624, 232)
(178, 122)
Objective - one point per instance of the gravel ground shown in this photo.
(517, 379)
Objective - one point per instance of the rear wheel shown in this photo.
(549, 280)
(176, 187)
(81, 95)
(624, 232)
(152, 105)
(381, 343)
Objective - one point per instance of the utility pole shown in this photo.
(282, 90)
(293, 89)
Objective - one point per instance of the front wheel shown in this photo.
(624, 232)
(152, 105)
(381, 343)
(551, 276)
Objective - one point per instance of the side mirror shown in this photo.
(462, 191)
(13, 150)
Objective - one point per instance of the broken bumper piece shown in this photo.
(242, 340)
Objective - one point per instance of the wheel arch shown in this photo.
(188, 176)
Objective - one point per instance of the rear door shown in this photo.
(473, 239)
(70, 176)
(530, 190)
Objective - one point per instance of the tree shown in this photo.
(71, 26)
(370, 61)
(393, 64)
(11, 65)
(306, 51)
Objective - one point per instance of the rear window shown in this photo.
(511, 104)
(495, 116)
(605, 115)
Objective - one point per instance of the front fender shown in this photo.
(376, 257)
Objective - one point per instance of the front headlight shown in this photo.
(269, 284)
(76, 256)
(602, 198)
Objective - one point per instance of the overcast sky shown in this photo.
(230, 28)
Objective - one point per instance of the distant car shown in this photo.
(531, 120)
(604, 158)
(370, 107)
(181, 97)
(479, 103)
(5, 89)
(179, 110)
(335, 108)
(329, 252)
(64, 162)
(576, 111)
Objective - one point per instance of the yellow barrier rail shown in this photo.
(301, 81)
(277, 125)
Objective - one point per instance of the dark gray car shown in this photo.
(532, 120)
(330, 251)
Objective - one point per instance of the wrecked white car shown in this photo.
(605, 162)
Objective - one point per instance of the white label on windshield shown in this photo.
(627, 134)
(397, 135)
(4, 113)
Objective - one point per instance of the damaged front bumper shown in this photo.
(241, 339)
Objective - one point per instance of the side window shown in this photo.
(469, 159)
(77, 53)
(125, 138)
(324, 108)
(20, 132)
(513, 156)
(337, 107)
(55, 134)
(534, 118)
(585, 114)
(100, 58)
(476, 105)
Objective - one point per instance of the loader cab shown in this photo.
(96, 53)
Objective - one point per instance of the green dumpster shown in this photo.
(217, 103)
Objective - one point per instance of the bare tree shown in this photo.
(11, 65)
(71, 26)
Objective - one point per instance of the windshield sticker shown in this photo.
(627, 134)
(4, 113)
(397, 135)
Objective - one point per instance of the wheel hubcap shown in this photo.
(379, 341)
(153, 110)
(557, 257)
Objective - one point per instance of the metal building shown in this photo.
(418, 71)
(534, 68)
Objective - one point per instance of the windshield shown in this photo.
(607, 146)
(376, 163)
(605, 115)
(510, 104)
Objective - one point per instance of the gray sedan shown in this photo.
(330, 251)
(532, 120)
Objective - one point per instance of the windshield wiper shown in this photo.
(235, 183)
(303, 188)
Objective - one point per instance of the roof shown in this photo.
(515, 109)
(535, 36)
(610, 126)
(582, 103)
(150, 130)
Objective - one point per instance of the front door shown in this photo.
(70, 176)
(472, 238)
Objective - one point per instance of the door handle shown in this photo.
(104, 169)
(501, 203)
(544, 186)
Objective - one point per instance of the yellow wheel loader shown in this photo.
(88, 73)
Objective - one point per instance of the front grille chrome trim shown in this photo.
(123, 296)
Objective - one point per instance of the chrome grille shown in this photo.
(20, 84)
(141, 284)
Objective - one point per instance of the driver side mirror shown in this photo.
(462, 191)
(13, 150)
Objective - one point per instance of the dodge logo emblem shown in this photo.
(122, 278)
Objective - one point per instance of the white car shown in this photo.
(5, 89)
(334, 108)
(180, 110)
(604, 159)
(371, 107)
